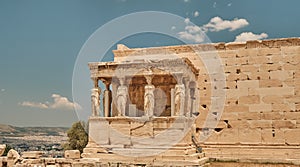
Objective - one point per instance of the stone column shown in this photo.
(95, 98)
(193, 100)
(172, 102)
(114, 86)
(122, 97)
(187, 101)
(107, 98)
(149, 101)
(179, 96)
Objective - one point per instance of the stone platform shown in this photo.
(157, 140)
(254, 153)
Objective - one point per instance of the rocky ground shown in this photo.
(240, 164)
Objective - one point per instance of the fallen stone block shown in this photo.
(72, 154)
(12, 157)
(32, 154)
(2, 149)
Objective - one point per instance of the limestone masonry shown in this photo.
(182, 105)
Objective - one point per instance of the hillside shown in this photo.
(8, 130)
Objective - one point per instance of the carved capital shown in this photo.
(95, 82)
(178, 77)
(186, 81)
(107, 82)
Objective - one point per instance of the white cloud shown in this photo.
(193, 29)
(173, 28)
(186, 1)
(59, 102)
(33, 104)
(215, 4)
(63, 103)
(192, 33)
(246, 36)
(187, 21)
(196, 14)
(195, 33)
(217, 24)
(229, 4)
(2, 90)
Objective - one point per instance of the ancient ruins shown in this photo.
(167, 106)
(148, 112)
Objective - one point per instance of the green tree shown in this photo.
(78, 138)
(7, 148)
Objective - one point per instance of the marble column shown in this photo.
(192, 90)
(149, 100)
(172, 102)
(107, 99)
(95, 98)
(122, 97)
(114, 86)
(187, 101)
(179, 95)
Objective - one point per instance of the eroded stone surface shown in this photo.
(72, 154)
(32, 154)
(2, 149)
(12, 157)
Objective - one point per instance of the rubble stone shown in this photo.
(2, 149)
(72, 154)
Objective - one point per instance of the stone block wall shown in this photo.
(262, 91)
(261, 111)
(262, 105)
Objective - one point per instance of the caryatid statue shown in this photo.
(149, 100)
(122, 97)
(149, 94)
(95, 97)
(179, 100)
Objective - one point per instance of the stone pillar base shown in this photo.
(196, 159)
(154, 141)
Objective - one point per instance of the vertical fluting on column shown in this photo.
(149, 100)
(179, 95)
(122, 97)
(107, 99)
(95, 98)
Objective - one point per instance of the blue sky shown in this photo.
(40, 41)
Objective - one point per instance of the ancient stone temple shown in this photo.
(232, 101)
(148, 112)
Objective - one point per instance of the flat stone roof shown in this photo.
(123, 50)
